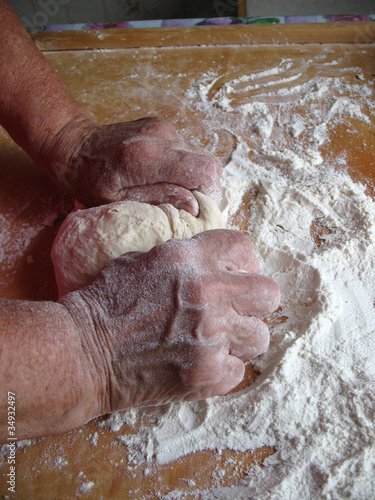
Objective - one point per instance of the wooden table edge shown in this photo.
(182, 36)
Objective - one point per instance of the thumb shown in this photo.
(157, 194)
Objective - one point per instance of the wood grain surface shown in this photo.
(124, 82)
(239, 34)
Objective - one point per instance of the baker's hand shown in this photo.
(144, 160)
(174, 323)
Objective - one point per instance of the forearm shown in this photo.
(35, 107)
(44, 363)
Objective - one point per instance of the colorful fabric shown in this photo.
(210, 22)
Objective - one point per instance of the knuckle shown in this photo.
(172, 251)
(158, 125)
(195, 292)
(213, 167)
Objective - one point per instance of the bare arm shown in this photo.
(35, 107)
(144, 160)
(190, 312)
(44, 363)
(112, 346)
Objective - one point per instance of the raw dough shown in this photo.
(90, 238)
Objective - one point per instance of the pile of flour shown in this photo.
(314, 400)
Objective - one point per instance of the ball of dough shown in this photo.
(90, 238)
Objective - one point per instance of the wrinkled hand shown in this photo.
(144, 160)
(174, 323)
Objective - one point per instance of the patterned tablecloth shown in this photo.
(210, 21)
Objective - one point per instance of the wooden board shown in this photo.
(343, 32)
(123, 84)
(242, 8)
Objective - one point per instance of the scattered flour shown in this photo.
(60, 462)
(86, 486)
(313, 230)
(15, 246)
(94, 439)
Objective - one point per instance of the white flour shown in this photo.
(313, 230)
(314, 401)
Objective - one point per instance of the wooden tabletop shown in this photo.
(124, 75)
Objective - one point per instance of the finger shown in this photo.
(166, 161)
(216, 377)
(248, 337)
(157, 194)
(158, 127)
(210, 171)
(229, 250)
(199, 150)
(252, 295)
(200, 171)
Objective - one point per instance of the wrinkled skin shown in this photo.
(143, 160)
(170, 324)
(174, 323)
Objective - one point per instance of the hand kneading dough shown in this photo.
(88, 239)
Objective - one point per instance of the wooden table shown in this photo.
(124, 75)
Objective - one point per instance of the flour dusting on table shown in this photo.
(313, 230)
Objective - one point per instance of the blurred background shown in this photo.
(90, 11)
(106, 11)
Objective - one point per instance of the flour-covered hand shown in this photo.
(143, 160)
(174, 323)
